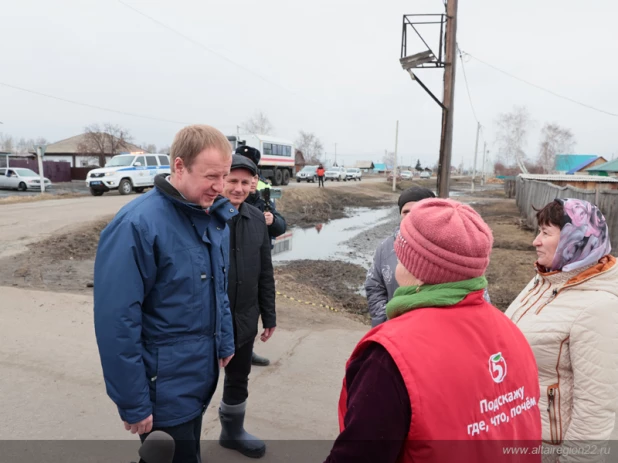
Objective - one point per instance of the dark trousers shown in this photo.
(187, 440)
(320, 181)
(235, 386)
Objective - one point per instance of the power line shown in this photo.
(201, 45)
(88, 105)
(542, 88)
(467, 87)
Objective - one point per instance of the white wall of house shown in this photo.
(86, 161)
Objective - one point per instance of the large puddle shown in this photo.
(327, 241)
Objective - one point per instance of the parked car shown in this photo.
(127, 173)
(335, 173)
(389, 178)
(406, 175)
(308, 174)
(425, 174)
(22, 179)
(353, 174)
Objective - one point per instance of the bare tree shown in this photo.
(554, 140)
(389, 160)
(258, 123)
(107, 140)
(311, 147)
(6, 143)
(22, 146)
(513, 130)
(149, 147)
(165, 150)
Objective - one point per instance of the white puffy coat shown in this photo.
(571, 322)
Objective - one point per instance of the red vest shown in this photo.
(472, 381)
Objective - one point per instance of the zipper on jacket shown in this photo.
(554, 293)
(552, 397)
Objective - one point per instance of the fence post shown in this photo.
(40, 151)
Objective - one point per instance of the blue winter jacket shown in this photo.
(161, 310)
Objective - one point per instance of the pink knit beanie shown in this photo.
(443, 241)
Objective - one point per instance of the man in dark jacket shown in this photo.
(251, 292)
(161, 312)
(275, 221)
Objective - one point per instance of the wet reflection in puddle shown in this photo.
(327, 241)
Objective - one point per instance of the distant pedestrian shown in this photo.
(320, 172)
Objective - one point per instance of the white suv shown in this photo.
(335, 173)
(353, 174)
(127, 173)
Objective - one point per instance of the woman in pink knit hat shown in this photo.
(448, 377)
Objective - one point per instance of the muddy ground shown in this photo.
(65, 262)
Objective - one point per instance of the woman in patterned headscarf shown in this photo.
(569, 314)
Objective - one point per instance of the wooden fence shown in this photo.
(55, 171)
(534, 193)
(80, 173)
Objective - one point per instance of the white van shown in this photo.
(127, 173)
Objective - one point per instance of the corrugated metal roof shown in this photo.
(569, 178)
(566, 162)
(364, 164)
(611, 166)
(584, 164)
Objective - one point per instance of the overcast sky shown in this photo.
(327, 66)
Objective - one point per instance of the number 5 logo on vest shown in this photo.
(497, 367)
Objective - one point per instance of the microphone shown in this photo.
(158, 447)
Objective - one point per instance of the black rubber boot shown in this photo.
(233, 434)
(259, 361)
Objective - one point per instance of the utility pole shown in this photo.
(395, 158)
(483, 172)
(446, 142)
(476, 150)
(40, 151)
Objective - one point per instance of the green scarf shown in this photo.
(443, 295)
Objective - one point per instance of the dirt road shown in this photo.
(53, 388)
(334, 184)
(25, 223)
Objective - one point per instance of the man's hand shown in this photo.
(143, 427)
(269, 218)
(268, 332)
(223, 362)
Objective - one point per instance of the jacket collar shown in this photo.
(244, 210)
(221, 207)
(577, 276)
